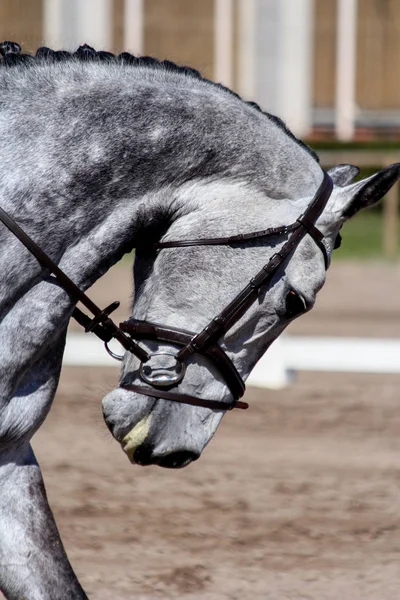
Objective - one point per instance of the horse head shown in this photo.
(180, 287)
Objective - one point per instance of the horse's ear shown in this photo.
(348, 200)
(342, 175)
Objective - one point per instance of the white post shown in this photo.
(246, 48)
(223, 42)
(295, 71)
(133, 26)
(54, 23)
(70, 23)
(94, 19)
(276, 58)
(346, 56)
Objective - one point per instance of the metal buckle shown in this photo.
(161, 376)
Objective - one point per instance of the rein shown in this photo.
(101, 324)
(160, 380)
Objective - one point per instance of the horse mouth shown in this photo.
(163, 434)
(136, 438)
(145, 456)
(143, 453)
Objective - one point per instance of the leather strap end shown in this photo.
(241, 404)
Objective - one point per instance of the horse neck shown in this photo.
(85, 254)
(97, 147)
(82, 202)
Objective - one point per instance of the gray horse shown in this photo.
(98, 154)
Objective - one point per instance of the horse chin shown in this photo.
(158, 432)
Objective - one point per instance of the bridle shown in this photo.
(206, 342)
(159, 381)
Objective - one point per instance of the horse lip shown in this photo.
(136, 437)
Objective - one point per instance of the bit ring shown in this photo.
(161, 376)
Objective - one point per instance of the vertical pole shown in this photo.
(247, 48)
(70, 23)
(94, 23)
(276, 58)
(346, 55)
(134, 26)
(54, 26)
(223, 42)
(294, 72)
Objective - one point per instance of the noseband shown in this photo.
(160, 380)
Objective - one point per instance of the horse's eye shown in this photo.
(294, 304)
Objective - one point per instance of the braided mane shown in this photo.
(11, 55)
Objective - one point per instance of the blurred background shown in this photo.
(297, 498)
(329, 68)
(336, 58)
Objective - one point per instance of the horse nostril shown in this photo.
(177, 460)
(144, 455)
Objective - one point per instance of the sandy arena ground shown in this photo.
(297, 498)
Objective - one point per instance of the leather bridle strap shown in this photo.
(228, 240)
(141, 330)
(100, 324)
(184, 399)
(220, 324)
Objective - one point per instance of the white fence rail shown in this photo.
(288, 354)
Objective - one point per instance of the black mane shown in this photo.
(11, 54)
